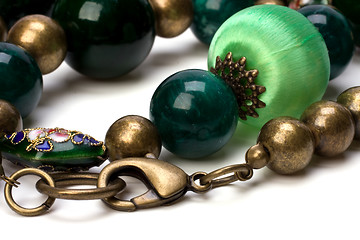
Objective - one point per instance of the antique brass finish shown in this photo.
(172, 17)
(29, 211)
(351, 100)
(3, 177)
(274, 2)
(199, 188)
(71, 179)
(289, 143)
(3, 30)
(43, 38)
(242, 82)
(257, 157)
(132, 136)
(332, 125)
(165, 182)
(10, 118)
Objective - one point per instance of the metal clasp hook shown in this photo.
(166, 182)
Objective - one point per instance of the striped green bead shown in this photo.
(286, 49)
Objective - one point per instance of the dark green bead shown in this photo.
(209, 15)
(106, 39)
(337, 34)
(20, 78)
(350, 8)
(195, 112)
(13, 10)
(52, 149)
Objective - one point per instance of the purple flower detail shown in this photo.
(18, 138)
(44, 146)
(78, 138)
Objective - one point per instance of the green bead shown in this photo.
(287, 50)
(350, 8)
(337, 34)
(209, 15)
(195, 113)
(20, 79)
(52, 149)
(13, 10)
(106, 39)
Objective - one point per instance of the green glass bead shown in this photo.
(337, 34)
(350, 8)
(106, 39)
(209, 15)
(52, 149)
(20, 78)
(195, 113)
(13, 10)
(286, 49)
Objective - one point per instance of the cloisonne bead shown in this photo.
(195, 113)
(106, 39)
(337, 33)
(52, 149)
(20, 78)
(209, 15)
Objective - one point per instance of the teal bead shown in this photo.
(209, 15)
(54, 149)
(13, 10)
(195, 112)
(20, 79)
(106, 39)
(350, 8)
(337, 33)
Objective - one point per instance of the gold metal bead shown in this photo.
(43, 38)
(332, 125)
(351, 100)
(172, 17)
(289, 143)
(132, 136)
(10, 118)
(3, 30)
(274, 2)
(257, 157)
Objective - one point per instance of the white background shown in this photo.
(322, 202)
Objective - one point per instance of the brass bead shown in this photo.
(43, 38)
(274, 2)
(3, 30)
(172, 17)
(10, 118)
(289, 142)
(257, 157)
(351, 100)
(332, 125)
(132, 136)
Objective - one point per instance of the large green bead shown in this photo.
(350, 8)
(195, 113)
(337, 34)
(20, 79)
(287, 50)
(209, 15)
(106, 39)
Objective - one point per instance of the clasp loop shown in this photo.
(165, 182)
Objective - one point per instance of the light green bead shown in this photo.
(285, 48)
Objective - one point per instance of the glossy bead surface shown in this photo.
(172, 17)
(12, 10)
(10, 118)
(195, 113)
(289, 143)
(332, 125)
(20, 78)
(132, 136)
(257, 157)
(52, 149)
(337, 34)
(351, 100)
(350, 8)
(286, 49)
(106, 39)
(42, 38)
(209, 15)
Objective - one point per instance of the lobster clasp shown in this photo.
(166, 182)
